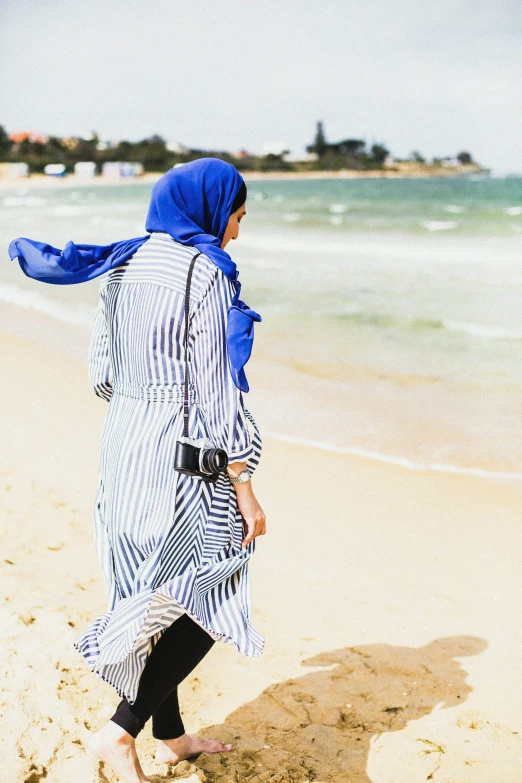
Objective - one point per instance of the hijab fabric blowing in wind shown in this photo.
(191, 203)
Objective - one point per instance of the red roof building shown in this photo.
(34, 138)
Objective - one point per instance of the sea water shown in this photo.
(391, 308)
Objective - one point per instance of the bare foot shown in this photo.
(117, 748)
(174, 750)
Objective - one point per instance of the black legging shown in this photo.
(179, 650)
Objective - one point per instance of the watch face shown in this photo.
(242, 478)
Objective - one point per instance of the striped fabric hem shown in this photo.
(215, 594)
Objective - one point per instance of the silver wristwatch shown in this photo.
(243, 477)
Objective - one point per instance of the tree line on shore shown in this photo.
(156, 155)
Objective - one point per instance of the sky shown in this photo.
(439, 76)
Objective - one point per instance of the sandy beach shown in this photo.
(401, 171)
(389, 599)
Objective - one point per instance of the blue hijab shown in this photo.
(192, 204)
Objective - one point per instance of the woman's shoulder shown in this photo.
(204, 267)
(164, 262)
(212, 278)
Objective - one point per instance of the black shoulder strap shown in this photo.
(187, 313)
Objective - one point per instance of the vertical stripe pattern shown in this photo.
(168, 543)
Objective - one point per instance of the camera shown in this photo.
(199, 457)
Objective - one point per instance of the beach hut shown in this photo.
(111, 170)
(119, 169)
(55, 170)
(14, 170)
(85, 169)
(132, 170)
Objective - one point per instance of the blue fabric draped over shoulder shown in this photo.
(191, 203)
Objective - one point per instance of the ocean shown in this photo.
(391, 308)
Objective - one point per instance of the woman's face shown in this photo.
(232, 229)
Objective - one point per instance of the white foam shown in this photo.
(392, 460)
(414, 250)
(513, 211)
(338, 209)
(439, 225)
(488, 332)
(79, 315)
(454, 209)
(336, 220)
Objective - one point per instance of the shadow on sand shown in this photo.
(319, 726)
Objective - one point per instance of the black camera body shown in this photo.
(199, 457)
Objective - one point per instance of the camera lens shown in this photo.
(213, 460)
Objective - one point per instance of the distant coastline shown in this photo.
(27, 153)
(410, 171)
(399, 171)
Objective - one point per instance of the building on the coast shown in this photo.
(85, 169)
(307, 157)
(241, 154)
(14, 170)
(34, 138)
(277, 148)
(55, 170)
(449, 163)
(177, 148)
(106, 144)
(118, 169)
(70, 142)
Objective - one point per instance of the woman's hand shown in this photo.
(252, 513)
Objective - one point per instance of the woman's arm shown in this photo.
(99, 360)
(221, 402)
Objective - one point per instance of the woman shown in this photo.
(174, 549)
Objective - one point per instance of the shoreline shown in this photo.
(151, 177)
(428, 173)
(390, 459)
(44, 328)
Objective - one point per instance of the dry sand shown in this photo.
(389, 599)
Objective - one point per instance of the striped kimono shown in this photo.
(168, 543)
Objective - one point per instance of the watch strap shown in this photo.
(243, 477)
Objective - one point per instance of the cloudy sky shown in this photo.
(435, 75)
